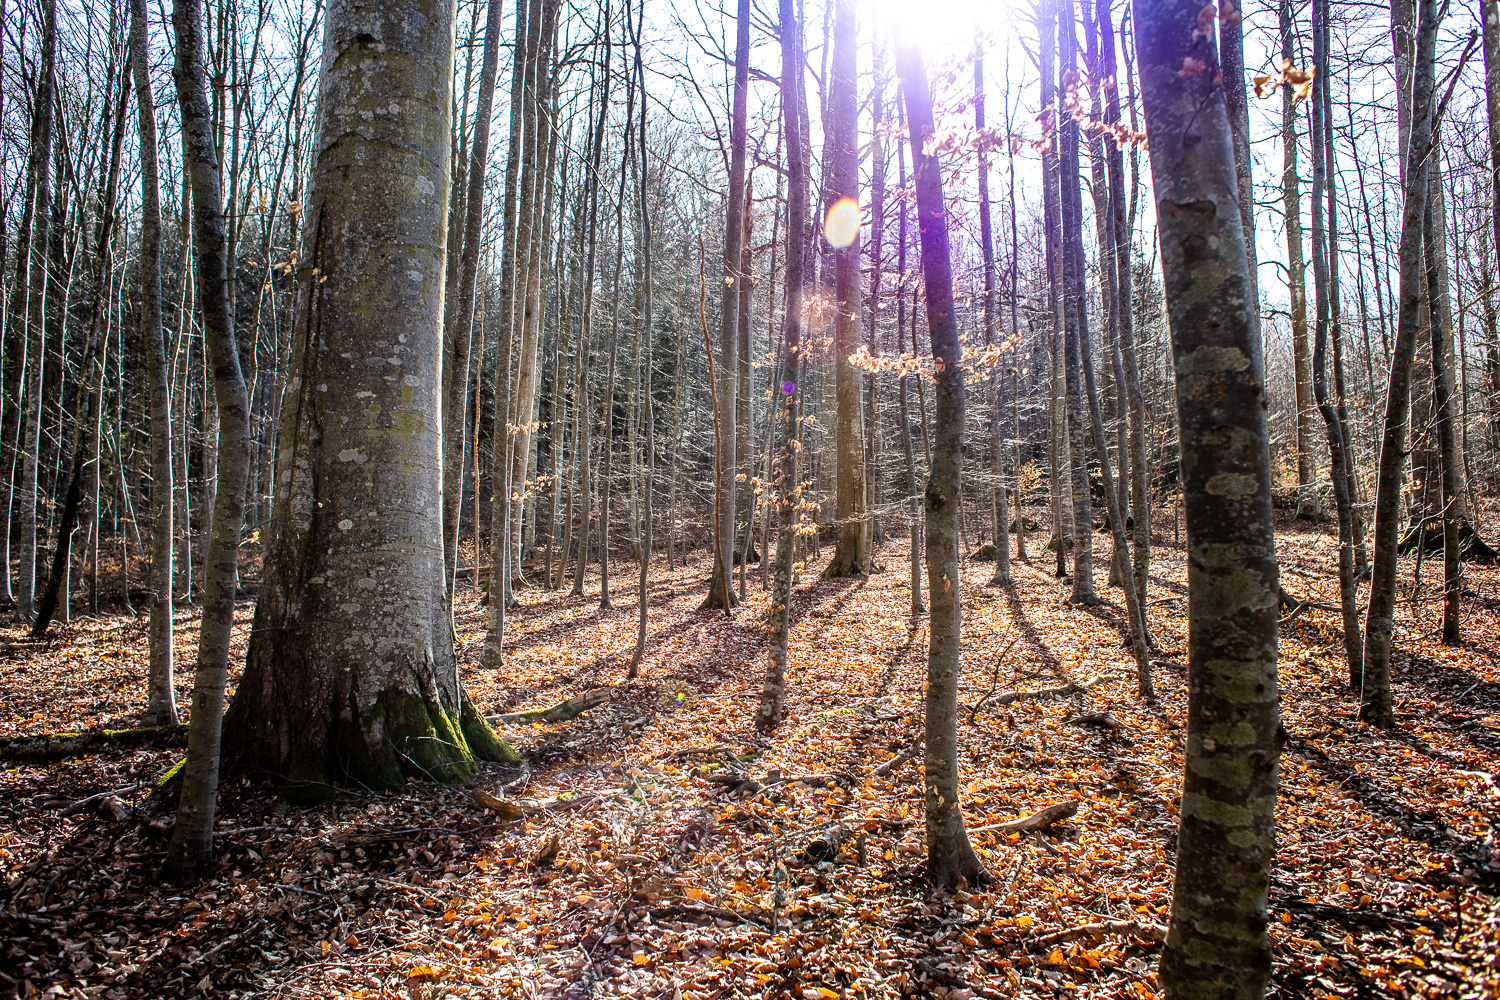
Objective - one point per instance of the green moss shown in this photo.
(166, 781)
(482, 739)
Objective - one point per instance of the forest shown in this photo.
(749, 498)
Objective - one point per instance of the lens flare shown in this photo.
(787, 388)
(841, 224)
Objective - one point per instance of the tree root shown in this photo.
(60, 746)
(1428, 533)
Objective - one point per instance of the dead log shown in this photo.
(1104, 928)
(561, 712)
(60, 746)
(1039, 820)
(889, 767)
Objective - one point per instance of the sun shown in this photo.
(943, 27)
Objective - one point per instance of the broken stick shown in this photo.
(1104, 928)
(1038, 820)
(561, 712)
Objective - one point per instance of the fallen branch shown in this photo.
(511, 809)
(994, 678)
(561, 712)
(1103, 720)
(58, 746)
(1038, 820)
(714, 912)
(1104, 928)
(889, 767)
(1060, 690)
(82, 804)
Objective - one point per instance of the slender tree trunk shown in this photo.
(914, 501)
(1001, 576)
(457, 336)
(951, 860)
(841, 193)
(1308, 505)
(784, 475)
(1375, 688)
(1075, 320)
(644, 249)
(192, 836)
(38, 285)
(1348, 596)
(1217, 946)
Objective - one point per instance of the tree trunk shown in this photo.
(726, 389)
(1338, 459)
(914, 520)
(37, 284)
(1001, 576)
(841, 193)
(951, 861)
(350, 674)
(457, 336)
(784, 475)
(192, 836)
(1308, 505)
(1375, 688)
(1217, 946)
(1075, 319)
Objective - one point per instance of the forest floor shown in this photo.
(630, 873)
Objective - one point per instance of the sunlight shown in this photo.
(944, 27)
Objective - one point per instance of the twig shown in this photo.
(82, 804)
(994, 679)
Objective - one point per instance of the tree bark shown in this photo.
(1001, 534)
(951, 861)
(1217, 946)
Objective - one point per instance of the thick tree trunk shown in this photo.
(350, 674)
(192, 836)
(1217, 947)
(784, 475)
(1375, 688)
(161, 705)
(951, 860)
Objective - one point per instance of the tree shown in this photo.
(841, 193)
(192, 834)
(1291, 194)
(1001, 576)
(1337, 448)
(726, 392)
(350, 674)
(161, 704)
(951, 861)
(1217, 946)
(456, 338)
(785, 416)
(1375, 689)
